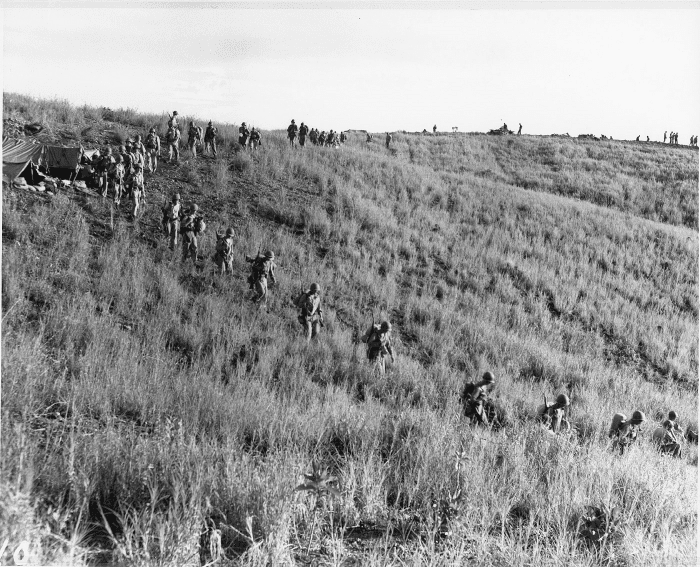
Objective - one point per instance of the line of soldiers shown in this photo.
(188, 224)
(249, 138)
(668, 437)
(331, 139)
(673, 139)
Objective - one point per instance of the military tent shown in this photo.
(20, 158)
(62, 162)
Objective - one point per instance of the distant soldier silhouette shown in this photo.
(172, 120)
(303, 131)
(474, 399)
(194, 135)
(263, 267)
(138, 189)
(255, 140)
(224, 251)
(243, 134)
(322, 138)
(210, 138)
(369, 137)
(313, 136)
(668, 438)
(378, 340)
(311, 313)
(292, 132)
(665, 132)
(388, 140)
(343, 137)
(434, 128)
(637, 139)
(116, 178)
(520, 129)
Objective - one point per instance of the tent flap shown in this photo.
(68, 158)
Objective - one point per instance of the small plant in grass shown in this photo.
(317, 483)
(599, 525)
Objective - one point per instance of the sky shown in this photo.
(619, 70)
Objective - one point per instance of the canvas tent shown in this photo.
(18, 157)
(21, 158)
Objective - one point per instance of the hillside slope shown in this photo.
(151, 398)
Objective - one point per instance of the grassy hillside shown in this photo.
(144, 400)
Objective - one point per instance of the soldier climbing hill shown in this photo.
(552, 415)
(388, 140)
(173, 140)
(194, 138)
(138, 189)
(311, 314)
(115, 176)
(171, 220)
(303, 131)
(224, 251)
(262, 269)
(210, 138)
(152, 150)
(191, 226)
(668, 439)
(623, 431)
(378, 339)
(292, 133)
(243, 134)
(475, 401)
(255, 140)
(172, 120)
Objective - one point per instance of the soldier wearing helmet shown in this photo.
(172, 120)
(474, 399)
(262, 269)
(210, 138)
(138, 189)
(292, 130)
(668, 439)
(152, 150)
(303, 132)
(378, 340)
(171, 220)
(224, 251)
(192, 225)
(194, 138)
(624, 431)
(243, 134)
(552, 414)
(172, 138)
(311, 312)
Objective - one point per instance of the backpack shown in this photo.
(199, 225)
(306, 303)
(224, 247)
(617, 419)
(260, 268)
(151, 140)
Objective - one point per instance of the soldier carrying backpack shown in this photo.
(152, 150)
(475, 401)
(552, 415)
(191, 226)
(263, 267)
(378, 340)
(623, 431)
(292, 130)
(224, 251)
(171, 220)
(194, 137)
(210, 138)
(311, 314)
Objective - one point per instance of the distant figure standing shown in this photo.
(369, 137)
(194, 135)
(637, 139)
(243, 134)
(647, 138)
(292, 132)
(520, 129)
(173, 140)
(388, 140)
(255, 138)
(210, 138)
(303, 131)
(434, 128)
(665, 136)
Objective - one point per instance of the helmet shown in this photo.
(176, 198)
(563, 400)
(194, 208)
(292, 120)
(638, 417)
(269, 254)
(138, 166)
(488, 378)
(119, 158)
(108, 151)
(672, 415)
(386, 326)
(667, 424)
(229, 232)
(152, 130)
(314, 288)
(242, 123)
(210, 123)
(191, 122)
(174, 112)
(127, 143)
(122, 148)
(138, 137)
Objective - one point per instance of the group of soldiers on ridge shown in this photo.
(668, 437)
(330, 139)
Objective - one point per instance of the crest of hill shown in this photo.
(560, 265)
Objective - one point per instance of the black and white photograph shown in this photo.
(350, 284)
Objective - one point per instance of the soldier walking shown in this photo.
(224, 251)
(668, 438)
(115, 176)
(243, 134)
(388, 140)
(255, 140)
(520, 129)
(263, 267)
(210, 138)
(152, 150)
(378, 340)
(311, 314)
(191, 226)
(292, 132)
(369, 138)
(138, 189)
(552, 415)
(104, 165)
(171, 220)
(303, 131)
(665, 132)
(474, 399)
(172, 120)
(194, 135)
(172, 138)
(623, 431)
